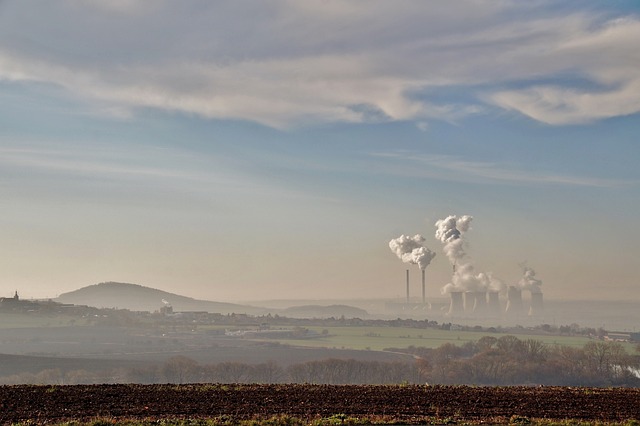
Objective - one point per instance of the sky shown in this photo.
(244, 150)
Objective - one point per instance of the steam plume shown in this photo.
(450, 231)
(529, 281)
(411, 250)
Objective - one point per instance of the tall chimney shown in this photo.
(407, 286)
(424, 296)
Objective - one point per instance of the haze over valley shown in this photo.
(332, 191)
(165, 145)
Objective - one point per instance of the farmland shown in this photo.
(380, 338)
(320, 404)
(81, 345)
(29, 333)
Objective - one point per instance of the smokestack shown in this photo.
(514, 300)
(424, 296)
(410, 250)
(457, 304)
(536, 304)
(493, 306)
(407, 286)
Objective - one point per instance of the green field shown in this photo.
(380, 338)
(374, 338)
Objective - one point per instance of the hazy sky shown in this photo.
(241, 150)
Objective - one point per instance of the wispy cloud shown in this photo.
(450, 168)
(151, 170)
(336, 61)
(608, 57)
(69, 162)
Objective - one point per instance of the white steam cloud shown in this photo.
(412, 250)
(450, 231)
(529, 281)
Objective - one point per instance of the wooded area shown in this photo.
(488, 361)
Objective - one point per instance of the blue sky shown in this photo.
(264, 150)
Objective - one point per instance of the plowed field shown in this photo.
(409, 404)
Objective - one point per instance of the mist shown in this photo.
(280, 184)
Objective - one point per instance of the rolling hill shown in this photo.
(136, 297)
(140, 298)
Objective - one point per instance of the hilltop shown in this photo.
(136, 297)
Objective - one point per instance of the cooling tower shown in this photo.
(457, 304)
(493, 305)
(469, 301)
(480, 306)
(536, 304)
(514, 300)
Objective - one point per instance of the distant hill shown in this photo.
(317, 311)
(140, 298)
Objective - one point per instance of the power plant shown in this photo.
(408, 298)
(469, 298)
(408, 304)
(424, 294)
(412, 250)
(493, 304)
(480, 304)
(536, 304)
(473, 293)
(514, 301)
(456, 308)
(476, 304)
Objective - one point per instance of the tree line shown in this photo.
(488, 361)
(181, 369)
(511, 361)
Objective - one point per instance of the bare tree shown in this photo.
(230, 372)
(269, 372)
(608, 359)
(51, 376)
(80, 377)
(180, 369)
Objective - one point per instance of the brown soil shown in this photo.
(411, 404)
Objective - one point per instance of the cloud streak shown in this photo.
(150, 170)
(331, 63)
(295, 63)
(451, 168)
